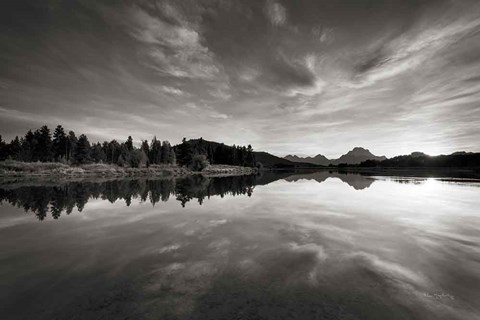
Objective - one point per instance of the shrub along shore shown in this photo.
(11, 168)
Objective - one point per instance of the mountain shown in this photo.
(358, 155)
(318, 159)
(270, 161)
(355, 156)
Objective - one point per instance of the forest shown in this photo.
(65, 147)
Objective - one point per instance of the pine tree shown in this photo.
(250, 159)
(129, 143)
(166, 149)
(184, 153)
(112, 151)
(145, 147)
(155, 151)
(82, 151)
(14, 149)
(97, 153)
(146, 151)
(43, 149)
(60, 143)
(28, 146)
(71, 145)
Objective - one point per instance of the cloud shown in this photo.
(220, 94)
(173, 49)
(276, 13)
(170, 248)
(409, 51)
(313, 248)
(172, 90)
(315, 89)
(285, 72)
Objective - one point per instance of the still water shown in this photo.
(288, 246)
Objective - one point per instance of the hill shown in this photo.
(270, 161)
(219, 153)
(421, 160)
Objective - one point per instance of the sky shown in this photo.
(288, 77)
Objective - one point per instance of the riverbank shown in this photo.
(54, 169)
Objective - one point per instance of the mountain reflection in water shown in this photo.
(51, 197)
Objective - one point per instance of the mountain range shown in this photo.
(354, 156)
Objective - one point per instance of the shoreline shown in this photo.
(16, 169)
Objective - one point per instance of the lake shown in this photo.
(321, 245)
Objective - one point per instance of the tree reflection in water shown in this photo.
(64, 197)
(43, 197)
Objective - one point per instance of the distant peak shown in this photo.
(359, 149)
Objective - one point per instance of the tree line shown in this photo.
(421, 160)
(41, 145)
(215, 153)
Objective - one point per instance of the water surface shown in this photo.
(321, 245)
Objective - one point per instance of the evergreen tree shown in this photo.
(112, 151)
(82, 151)
(166, 149)
(234, 156)
(71, 145)
(43, 149)
(146, 151)
(28, 146)
(250, 158)
(60, 143)
(97, 153)
(129, 143)
(15, 149)
(184, 153)
(155, 151)
(145, 147)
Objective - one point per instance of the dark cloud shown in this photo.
(288, 74)
(371, 61)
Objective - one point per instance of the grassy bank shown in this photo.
(42, 169)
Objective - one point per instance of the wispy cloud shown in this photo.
(172, 49)
(172, 90)
(409, 51)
